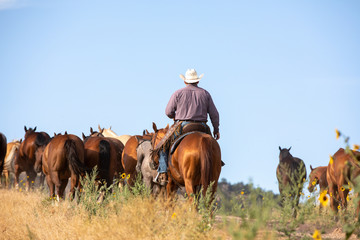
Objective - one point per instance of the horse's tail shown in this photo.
(104, 159)
(206, 159)
(73, 158)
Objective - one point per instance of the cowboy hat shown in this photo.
(191, 76)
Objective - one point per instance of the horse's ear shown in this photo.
(144, 132)
(279, 148)
(99, 127)
(155, 127)
(34, 128)
(101, 131)
(91, 130)
(167, 127)
(311, 167)
(54, 134)
(147, 132)
(65, 132)
(20, 140)
(83, 136)
(25, 128)
(289, 148)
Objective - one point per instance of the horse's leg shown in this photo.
(189, 188)
(42, 178)
(74, 183)
(333, 200)
(6, 175)
(62, 188)
(57, 182)
(50, 185)
(171, 188)
(17, 175)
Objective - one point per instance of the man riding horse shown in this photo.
(188, 107)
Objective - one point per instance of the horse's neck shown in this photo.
(109, 133)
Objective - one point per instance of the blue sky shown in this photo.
(281, 73)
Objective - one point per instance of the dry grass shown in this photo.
(33, 216)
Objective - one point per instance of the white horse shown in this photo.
(11, 154)
(143, 166)
(110, 133)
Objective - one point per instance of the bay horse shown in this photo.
(103, 153)
(291, 175)
(195, 163)
(341, 171)
(129, 155)
(108, 132)
(317, 176)
(12, 153)
(3, 147)
(63, 158)
(27, 157)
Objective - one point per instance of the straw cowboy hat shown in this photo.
(191, 76)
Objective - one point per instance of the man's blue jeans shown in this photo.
(163, 160)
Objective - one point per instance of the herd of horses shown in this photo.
(195, 162)
(342, 173)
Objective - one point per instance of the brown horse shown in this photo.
(63, 158)
(103, 153)
(318, 176)
(195, 163)
(3, 146)
(343, 168)
(26, 160)
(291, 175)
(12, 153)
(129, 155)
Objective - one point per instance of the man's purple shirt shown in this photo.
(193, 103)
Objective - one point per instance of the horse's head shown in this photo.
(29, 131)
(284, 153)
(313, 179)
(92, 134)
(158, 134)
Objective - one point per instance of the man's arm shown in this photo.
(214, 116)
(171, 107)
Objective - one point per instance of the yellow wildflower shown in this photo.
(338, 134)
(330, 194)
(356, 147)
(331, 160)
(24, 184)
(313, 183)
(27, 176)
(19, 189)
(242, 193)
(128, 176)
(123, 175)
(308, 196)
(32, 181)
(350, 189)
(339, 207)
(342, 189)
(316, 235)
(324, 200)
(173, 216)
(347, 198)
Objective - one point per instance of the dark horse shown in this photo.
(291, 175)
(27, 154)
(3, 146)
(63, 158)
(343, 169)
(195, 163)
(104, 153)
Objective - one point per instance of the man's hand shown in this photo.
(217, 136)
